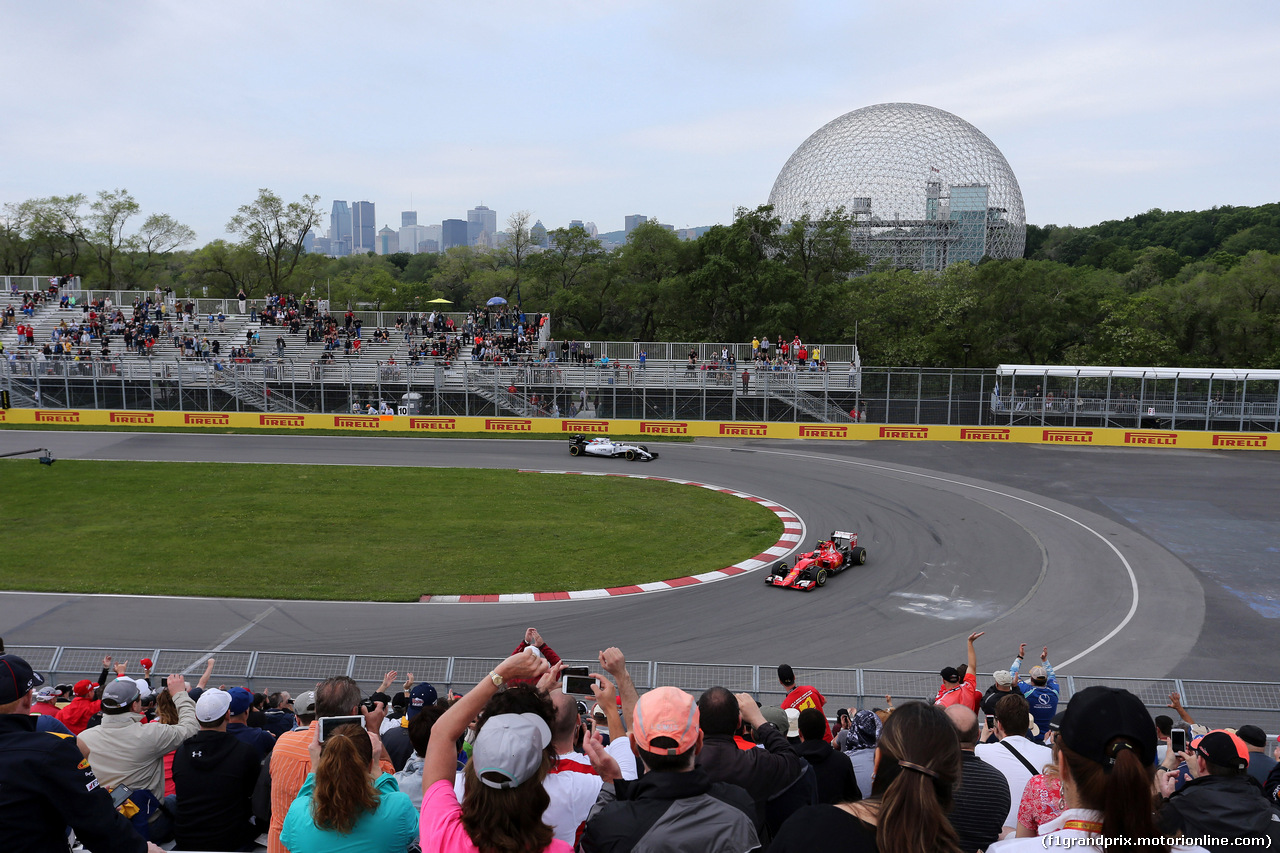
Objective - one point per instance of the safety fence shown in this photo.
(1211, 702)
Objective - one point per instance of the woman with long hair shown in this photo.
(347, 804)
(1107, 751)
(1042, 797)
(503, 799)
(917, 764)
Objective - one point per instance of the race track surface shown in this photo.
(1065, 547)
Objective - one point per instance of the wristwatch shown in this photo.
(495, 678)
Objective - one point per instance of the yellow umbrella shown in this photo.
(441, 300)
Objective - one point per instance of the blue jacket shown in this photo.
(1043, 700)
(392, 828)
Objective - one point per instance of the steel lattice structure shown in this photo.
(924, 188)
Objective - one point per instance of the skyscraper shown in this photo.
(363, 227)
(408, 217)
(454, 233)
(633, 220)
(340, 229)
(482, 225)
(388, 241)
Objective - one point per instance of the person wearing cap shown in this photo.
(1260, 764)
(1107, 744)
(85, 702)
(128, 753)
(675, 805)
(46, 701)
(961, 687)
(503, 798)
(1221, 801)
(802, 696)
(1041, 694)
(1002, 686)
(763, 773)
(214, 774)
(241, 703)
(1014, 754)
(395, 739)
(46, 784)
(279, 717)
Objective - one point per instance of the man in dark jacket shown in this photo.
(1221, 802)
(834, 770)
(674, 806)
(762, 772)
(46, 784)
(214, 774)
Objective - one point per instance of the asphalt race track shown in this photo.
(1124, 562)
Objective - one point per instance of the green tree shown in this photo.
(275, 232)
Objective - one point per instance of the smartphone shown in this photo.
(1178, 740)
(575, 670)
(577, 685)
(328, 724)
(991, 722)
(164, 683)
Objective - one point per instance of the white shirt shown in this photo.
(1057, 829)
(1014, 772)
(574, 787)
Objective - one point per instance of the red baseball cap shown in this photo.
(84, 687)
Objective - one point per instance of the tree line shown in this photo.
(1198, 289)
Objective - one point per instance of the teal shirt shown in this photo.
(392, 828)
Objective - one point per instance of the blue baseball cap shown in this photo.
(241, 699)
(16, 678)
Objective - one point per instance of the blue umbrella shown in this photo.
(497, 300)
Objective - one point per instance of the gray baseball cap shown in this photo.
(119, 696)
(510, 746)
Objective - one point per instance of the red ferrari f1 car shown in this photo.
(828, 557)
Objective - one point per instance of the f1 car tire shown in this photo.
(574, 450)
(821, 579)
(858, 556)
(645, 449)
(631, 456)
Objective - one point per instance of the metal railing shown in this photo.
(1211, 702)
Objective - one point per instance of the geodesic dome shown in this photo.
(924, 188)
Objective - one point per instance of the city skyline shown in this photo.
(595, 111)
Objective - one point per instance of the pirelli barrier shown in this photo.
(431, 425)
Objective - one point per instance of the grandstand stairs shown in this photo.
(811, 405)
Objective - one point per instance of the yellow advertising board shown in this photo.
(515, 426)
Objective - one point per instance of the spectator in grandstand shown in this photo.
(1014, 755)
(279, 718)
(396, 740)
(1041, 694)
(1042, 798)
(533, 638)
(46, 784)
(1222, 801)
(982, 800)
(1260, 764)
(961, 685)
(503, 800)
(241, 702)
(571, 783)
(45, 701)
(348, 802)
(858, 742)
(675, 805)
(802, 697)
(1108, 747)
(410, 778)
(763, 773)
(833, 771)
(1002, 687)
(290, 762)
(86, 702)
(214, 774)
(917, 767)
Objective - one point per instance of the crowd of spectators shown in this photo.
(526, 761)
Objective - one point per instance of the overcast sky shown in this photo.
(594, 110)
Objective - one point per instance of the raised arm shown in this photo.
(615, 664)
(973, 653)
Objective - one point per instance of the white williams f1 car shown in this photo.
(580, 445)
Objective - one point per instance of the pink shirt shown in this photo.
(440, 825)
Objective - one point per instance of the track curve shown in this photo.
(948, 553)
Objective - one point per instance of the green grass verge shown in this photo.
(356, 533)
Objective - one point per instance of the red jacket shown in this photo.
(965, 693)
(547, 652)
(75, 716)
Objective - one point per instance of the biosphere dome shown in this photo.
(923, 187)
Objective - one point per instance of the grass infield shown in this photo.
(356, 533)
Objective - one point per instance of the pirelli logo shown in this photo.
(43, 417)
(997, 434)
(433, 423)
(207, 420)
(1155, 439)
(904, 432)
(3, 415)
(356, 422)
(282, 420)
(584, 426)
(664, 428)
(810, 431)
(508, 424)
(1238, 440)
(750, 430)
(1068, 436)
(131, 417)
